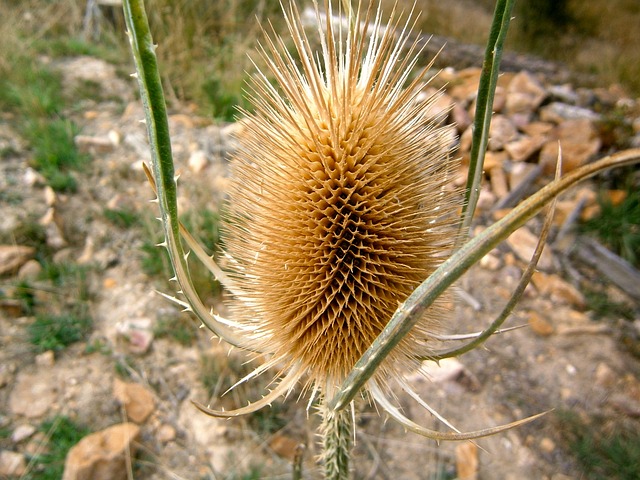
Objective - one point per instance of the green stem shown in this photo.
(484, 106)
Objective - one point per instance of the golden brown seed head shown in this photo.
(339, 202)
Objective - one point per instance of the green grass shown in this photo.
(179, 328)
(63, 434)
(618, 226)
(55, 153)
(55, 332)
(63, 318)
(604, 450)
(122, 218)
(601, 305)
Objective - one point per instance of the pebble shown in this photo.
(12, 464)
(46, 359)
(166, 433)
(22, 432)
(33, 395)
(523, 243)
(547, 445)
(540, 325)
(138, 401)
(12, 257)
(103, 455)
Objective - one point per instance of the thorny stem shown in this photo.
(336, 431)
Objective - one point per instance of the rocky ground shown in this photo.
(132, 377)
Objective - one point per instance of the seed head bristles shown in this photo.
(339, 199)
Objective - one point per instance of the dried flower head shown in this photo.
(339, 199)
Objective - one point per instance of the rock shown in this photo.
(490, 262)
(198, 161)
(524, 94)
(12, 464)
(12, 257)
(46, 359)
(102, 455)
(494, 160)
(547, 445)
(466, 84)
(558, 112)
(50, 196)
(605, 376)
(498, 182)
(94, 145)
(52, 223)
(523, 243)
(22, 432)
(30, 270)
(460, 117)
(138, 401)
(137, 333)
(284, 446)
(558, 290)
(33, 395)
(12, 308)
(166, 433)
(518, 173)
(501, 132)
(524, 147)
(467, 461)
(540, 325)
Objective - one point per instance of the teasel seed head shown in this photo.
(340, 203)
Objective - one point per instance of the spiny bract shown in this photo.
(339, 202)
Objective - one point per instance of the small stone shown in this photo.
(558, 290)
(12, 308)
(518, 173)
(523, 243)
(33, 395)
(138, 402)
(494, 160)
(137, 334)
(30, 270)
(501, 132)
(490, 262)
(547, 445)
(558, 112)
(521, 149)
(540, 325)
(198, 161)
(498, 182)
(460, 117)
(12, 257)
(524, 94)
(46, 359)
(93, 145)
(537, 129)
(50, 197)
(22, 432)
(467, 461)
(284, 446)
(605, 376)
(166, 433)
(53, 229)
(102, 455)
(12, 464)
(466, 83)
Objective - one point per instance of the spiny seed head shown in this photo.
(340, 204)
